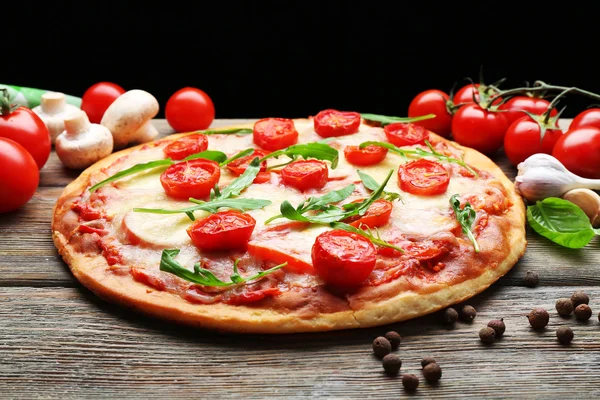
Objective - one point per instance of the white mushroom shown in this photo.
(588, 201)
(83, 143)
(53, 110)
(129, 117)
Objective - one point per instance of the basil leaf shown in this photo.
(213, 155)
(465, 217)
(386, 120)
(241, 154)
(561, 221)
(243, 181)
(132, 170)
(318, 150)
(231, 131)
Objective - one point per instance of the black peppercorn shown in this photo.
(394, 338)
(583, 312)
(564, 307)
(538, 318)
(531, 279)
(410, 382)
(381, 347)
(426, 361)
(564, 334)
(450, 316)
(391, 364)
(579, 297)
(487, 335)
(432, 372)
(467, 313)
(498, 326)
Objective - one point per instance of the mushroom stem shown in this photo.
(76, 124)
(146, 133)
(53, 102)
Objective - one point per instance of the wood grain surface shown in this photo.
(59, 341)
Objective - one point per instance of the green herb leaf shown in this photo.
(241, 154)
(371, 184)
(243, 181)
(318, 150)
(375, 239)
(213, 206)
(386, 120)
(231, 131)
(466, 218)
(213, 155)
(561, 221)
(204, 277)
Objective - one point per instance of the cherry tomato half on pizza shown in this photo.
(239, 165)
(369, 155)
(378, 214)
(423, 177)
(225, 230)
(330, 123)
(275, 133)
(186, 146)
(401, 134)
(193, 178)
(305, 174)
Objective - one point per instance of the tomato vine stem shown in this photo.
(540, 86)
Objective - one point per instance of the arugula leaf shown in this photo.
(231, 131)
(204, 277)
(561, 221)
(386, 120)
(371, 184)
(465, 218)
(213, 155)
(241, 154)
(318, 150)
(241, 182)
(366, 233)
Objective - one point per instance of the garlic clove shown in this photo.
(588, 201)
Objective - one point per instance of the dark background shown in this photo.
(292, 59)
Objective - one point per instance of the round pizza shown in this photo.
(341, 220)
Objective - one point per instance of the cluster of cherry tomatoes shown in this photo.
(523, 124)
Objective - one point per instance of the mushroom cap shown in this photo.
(53, 110)
(127, 114)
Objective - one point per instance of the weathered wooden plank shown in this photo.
(63, 342)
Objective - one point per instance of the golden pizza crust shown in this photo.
(91, 271)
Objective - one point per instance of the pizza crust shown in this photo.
(90, 270)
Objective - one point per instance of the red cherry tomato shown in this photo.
(401, 134)
(534, 105)
(26, 128)
(589, 117)
(275, 133)
(98, 97)
(465, 94)
(579, 151)
(423, 177)
(369, 155)
(305, 174)
(239, 165)
(19, 178)
(189, 109)
(523, 139)
(193, 178)
(432, 101)
(343, 259)
(329, 123)
(480, 129)
(186, 146)
(378, 214)
(225, 230)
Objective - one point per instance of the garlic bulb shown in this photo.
(542, 175)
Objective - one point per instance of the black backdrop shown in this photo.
(292, 59)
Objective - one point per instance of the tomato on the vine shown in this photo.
(478, 128)
(579, 151)
(515, 106)
(523, 138)
(20, 175)
(436, 102)
(189, 109)
(98, 97)
(589, 117)
(466, 93)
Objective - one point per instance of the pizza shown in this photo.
(336, 221)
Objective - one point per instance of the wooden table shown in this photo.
(57, 340)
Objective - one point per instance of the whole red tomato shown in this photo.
(478, 128)
(20, 175)
(465, 94)
(98, 97)
(589, 117)
(25, 127)
(579, 151)
(189, 109)
(432, 101)
(523, 138)
(514, 107)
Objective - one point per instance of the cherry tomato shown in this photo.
(523, 139)
(225, 230)
(369, 155)
(465, 94)
(275, 133)
(423, 177)
(189, 109)
(329, 123)
(26, 128)
(194, 178)
(480, 129)
(589, 117)
(432, 101)
(534, 105)
(239, 165)
(186, 146)
(401, 134)
(305, 174)
(378, 214)
(98, 97)
(19, 178)
(579, 151)
(343, 259)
